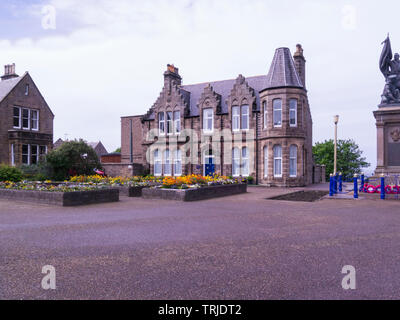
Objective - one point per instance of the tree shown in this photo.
(72, 158)
(118, 150)
(349, 157)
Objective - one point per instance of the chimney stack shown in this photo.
(300, 64)
(172, 77)
(9, 72)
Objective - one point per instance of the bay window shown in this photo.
(265, 114)
(169, 122)
(177, 163)
(17, 117)
(235, 162)
(266, 161)
(34, 154)
(26, 118)
(157, 163)
(167, 163)
(25, 154)
(245, 162)
(35, 120)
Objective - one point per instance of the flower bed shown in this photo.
(61, 194)
(194, 194)
(195, 187)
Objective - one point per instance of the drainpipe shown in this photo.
(131, 142)
(256, 148)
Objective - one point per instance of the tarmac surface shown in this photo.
(237, 247)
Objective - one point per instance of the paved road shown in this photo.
(238, 247)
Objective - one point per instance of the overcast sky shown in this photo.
(100, 60)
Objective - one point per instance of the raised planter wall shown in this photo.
(194, 194)
(131, 191)
(66, 199)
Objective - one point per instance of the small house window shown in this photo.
(167, 163)
(157, 163)
(34, 154)
(27, 89)
(245, 162)
(26, 118)
(169, 122)
(177, 163)
(25, 154)
(35, 120)
(17, 117)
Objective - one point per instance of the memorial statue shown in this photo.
(391, 71)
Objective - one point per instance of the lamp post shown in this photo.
(336, 120)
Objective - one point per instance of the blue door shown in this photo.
(209, 169)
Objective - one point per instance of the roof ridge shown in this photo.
(207, 82)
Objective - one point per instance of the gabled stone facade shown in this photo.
(257, 126)
(26, 121)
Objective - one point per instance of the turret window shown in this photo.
(293, 112)
(278, 161)
(266, 161)
(265, 114)
(277, 107)
(293, 161)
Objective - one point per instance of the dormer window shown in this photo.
(161, 123)
(169, 122)
(245, 117)
(208, 120)
(235, 118)
(277, 107)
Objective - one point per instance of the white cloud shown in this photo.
(111, 62)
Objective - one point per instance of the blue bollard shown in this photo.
(362, 182)
(383, 188)
(340, 182)
(330, 185)
(355, 179)
(334, 183)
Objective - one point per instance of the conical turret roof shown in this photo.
(282, 72)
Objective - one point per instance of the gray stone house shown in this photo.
(26, 121)
(265, 122)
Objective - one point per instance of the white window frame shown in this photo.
(177, 122)
(236, 162)
(265, 161)
(169, 122)
(157, 161)
(208, 114)
(161, 132)
(294, 159)
(276, 159)
(245, 162)
(177, 162)
(29, 119)
(295, 112)
(36, 120)
(265, 114)
(19, 117)
(245, 115)
(167, 163)
(275, 111)
(235, 118)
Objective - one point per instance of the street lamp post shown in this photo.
(336, 120)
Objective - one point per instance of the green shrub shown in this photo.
(8, 173)
(36, 172)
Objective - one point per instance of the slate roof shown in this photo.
(224, 89)
(7, 85)
(282, 72)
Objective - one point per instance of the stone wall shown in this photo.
(123, 169)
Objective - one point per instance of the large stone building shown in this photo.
(256, 126)
(26, 121)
